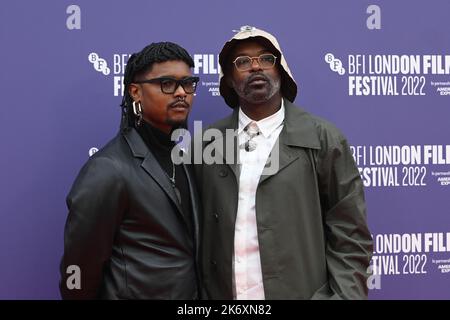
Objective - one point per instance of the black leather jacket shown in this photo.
(125, 229)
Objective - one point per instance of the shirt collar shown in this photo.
(267, 125)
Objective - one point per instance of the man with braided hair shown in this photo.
(132, 227)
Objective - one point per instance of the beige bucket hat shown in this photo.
(288, 85)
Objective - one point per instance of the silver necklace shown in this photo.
(172, 179)
(172, 182)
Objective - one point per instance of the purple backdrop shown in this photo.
(59, 101)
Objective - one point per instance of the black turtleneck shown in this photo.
(161, 146)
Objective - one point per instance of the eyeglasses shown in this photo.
(265, 61)
(170, 85)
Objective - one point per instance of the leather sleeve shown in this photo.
(96, 204)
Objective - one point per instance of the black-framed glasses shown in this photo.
(170, 85)
(265, 61)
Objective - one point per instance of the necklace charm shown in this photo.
(172, 182)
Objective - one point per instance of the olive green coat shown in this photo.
(311, 216)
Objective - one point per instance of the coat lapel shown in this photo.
(298, 132)
(226, 145)
(150, 165)
(194, 206)
(286, 155)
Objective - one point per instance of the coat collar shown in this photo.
(136, 144)
(299, 129)
(267, 125)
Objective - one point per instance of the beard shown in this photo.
(256, 95)
(176, 124)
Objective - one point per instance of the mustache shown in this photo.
(178, 103)
(256, 75)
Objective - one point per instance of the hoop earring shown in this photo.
(137, 110)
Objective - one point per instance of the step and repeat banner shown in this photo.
(378, 70)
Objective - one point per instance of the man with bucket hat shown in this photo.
(287, 219)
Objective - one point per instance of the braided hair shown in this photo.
(139, 64)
